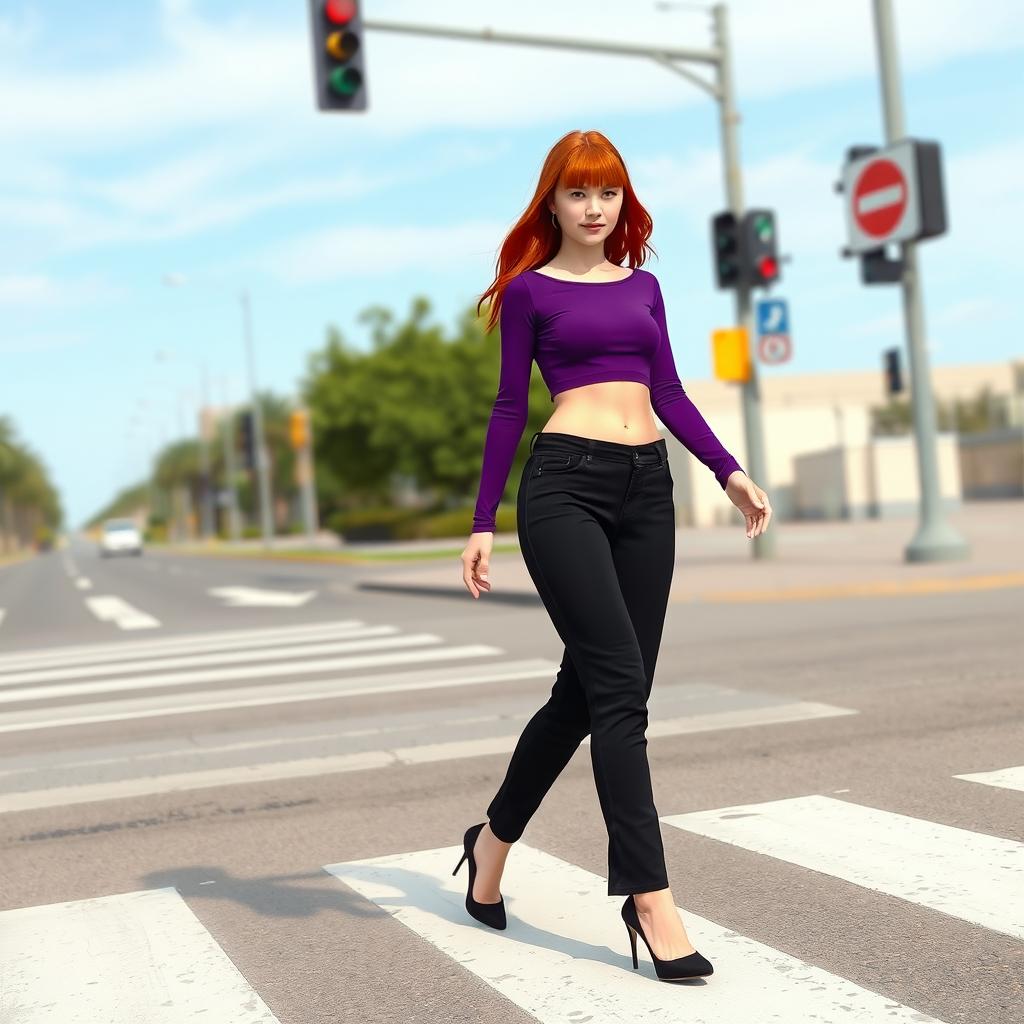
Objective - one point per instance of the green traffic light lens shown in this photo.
(345, 81)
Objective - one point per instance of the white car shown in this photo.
(119, 537)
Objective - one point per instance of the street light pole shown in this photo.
(262, 467)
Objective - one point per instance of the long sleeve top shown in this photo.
(582, 332)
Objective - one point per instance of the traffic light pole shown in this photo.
(262, 469)
(935, 539)
(721, 90)
(750, 391)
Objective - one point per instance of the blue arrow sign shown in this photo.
(772, 316)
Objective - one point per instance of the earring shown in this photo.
(554, 219)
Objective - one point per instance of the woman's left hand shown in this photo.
(750, 500)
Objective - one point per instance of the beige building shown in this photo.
(823, 462)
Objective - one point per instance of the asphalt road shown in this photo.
(235, 790)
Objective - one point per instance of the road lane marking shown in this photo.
(198, 676)
(120, 959)
(565, 955)
(124, 649)
(969, 875)
(311, 767)
(108, 608)
(354, 640)
(83, 584)
(267, 695)
(2, 614)
(250, 597)
(1005, 778)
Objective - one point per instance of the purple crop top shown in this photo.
(582, 332)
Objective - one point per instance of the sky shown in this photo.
(157, 158)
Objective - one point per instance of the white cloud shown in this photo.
(44, 292)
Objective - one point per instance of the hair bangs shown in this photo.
(592, 166)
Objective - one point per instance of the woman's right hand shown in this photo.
(476, 559)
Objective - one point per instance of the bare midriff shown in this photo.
(615, 410)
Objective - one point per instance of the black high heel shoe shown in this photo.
(492, 914)
(693, 965)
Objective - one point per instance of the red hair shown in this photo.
(576, 160)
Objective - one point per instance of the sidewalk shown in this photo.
(813, 560)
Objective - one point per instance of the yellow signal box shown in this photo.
(298, 428)
(730, 351)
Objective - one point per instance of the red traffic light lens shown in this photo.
(768, 268)
(340, 12)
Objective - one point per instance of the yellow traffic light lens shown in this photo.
(342, 45)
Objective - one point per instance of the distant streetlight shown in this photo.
(177, 280)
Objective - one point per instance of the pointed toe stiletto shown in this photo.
(693, 965)
(492, 914)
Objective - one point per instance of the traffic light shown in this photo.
(298, 428)
(893, 377)
(725, 249)
(337, 31)
(746, 251)
(247, 439)
(759, 249)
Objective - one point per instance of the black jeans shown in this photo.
(596, 526)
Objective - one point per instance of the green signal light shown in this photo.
(345, 81)
(763, 228)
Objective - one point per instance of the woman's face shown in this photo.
(576, 208)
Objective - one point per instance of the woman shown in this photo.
(596, 519)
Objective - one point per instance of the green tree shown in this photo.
(412, 409)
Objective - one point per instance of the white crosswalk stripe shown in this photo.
(962, 873)
(565, 954)
(1004, 778)
(137, 956)
(126, 650)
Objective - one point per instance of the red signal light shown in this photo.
(768, 268)
(339, 12)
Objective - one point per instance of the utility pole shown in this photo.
(935, 540)
(719, 58)
(262, 467)
(234, 527)
(206, 508)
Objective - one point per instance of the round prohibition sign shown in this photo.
(880, 197)
(774, 348)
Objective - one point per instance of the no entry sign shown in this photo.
(882, 197)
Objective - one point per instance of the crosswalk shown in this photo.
(205, 673)
(144, 955)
